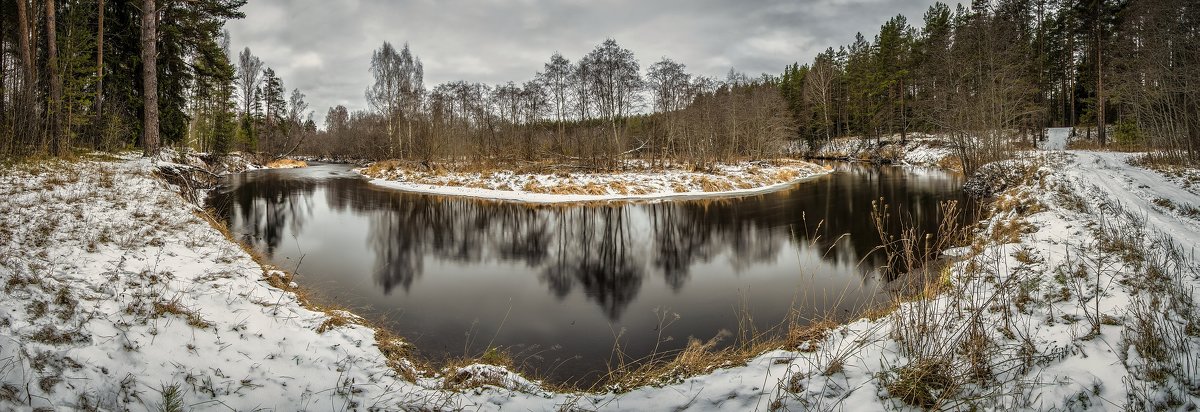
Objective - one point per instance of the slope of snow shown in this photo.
(114, 289)
(918, 150)
(928, 152)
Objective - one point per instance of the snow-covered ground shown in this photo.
(115, 291)
(641, 183)
(1078, 292)
(1056, 138)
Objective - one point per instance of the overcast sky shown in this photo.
(323, 47)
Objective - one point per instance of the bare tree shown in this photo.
(556, 79)
(336, 119)
(293, 125)
(397, 91)
(614, 79)
(250, 67)
(818, 87)
(668, 82)
(533, 107)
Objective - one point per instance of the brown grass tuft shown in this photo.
(173, 307)
(286, 164)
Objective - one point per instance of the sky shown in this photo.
(323, 47)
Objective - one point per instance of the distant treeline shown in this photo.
(589, 113)
(73, 76)
(1013, 66)
(990, 76)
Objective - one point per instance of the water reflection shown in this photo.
(453, 259)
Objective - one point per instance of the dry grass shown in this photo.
(952, 163)
(923, 383)
(398, 353)
(1086, 144)
(1163, 159)
(174, 307)
(952, 352)
(336, 318)
(286, 164)
(699, 357)
(53, 336)
(381, 168)
(807, 338)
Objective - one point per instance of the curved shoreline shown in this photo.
(519, 196)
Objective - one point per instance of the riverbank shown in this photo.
(918, 150)
(118, 294)
(1077, 292)
(553, 184)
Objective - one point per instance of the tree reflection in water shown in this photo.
(603, 249)
(608, 254)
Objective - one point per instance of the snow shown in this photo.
(92, 253)
(918, 149)
(644, 185)
(87, 250)
(1056, 138)
(930, 152)
(1136, 189)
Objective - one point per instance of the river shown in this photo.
(558, 286)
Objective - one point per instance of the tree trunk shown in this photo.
(1100, 135)
(100, 62)
(1193, 127)
(54, 111)
(4, 130)
(903, 120)
(150, 77)
(24, 124)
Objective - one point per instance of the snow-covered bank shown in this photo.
(643, 184)
(117, 295)
(234, 162)
(218, 165)
(114, 290)
(918, 150)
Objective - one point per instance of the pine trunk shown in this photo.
(903, 119)
(1100, 132)
(149, 77)
(5, 138)
(54, 112)
(100, 61)
(1100, 135)
(24, 124)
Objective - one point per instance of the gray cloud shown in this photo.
(323, 47)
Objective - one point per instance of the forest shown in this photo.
(988, 76)
(74, 76)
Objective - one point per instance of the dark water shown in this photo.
(556, 285)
